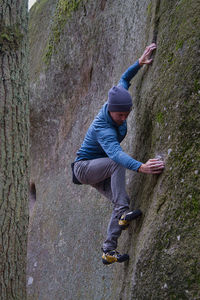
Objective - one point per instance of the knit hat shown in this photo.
(119, 99)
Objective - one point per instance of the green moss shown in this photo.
(196, 85)
(194, 279)
(177, 297)
(10, 38)
(179, 44)
(160, 118)
(149, 7)
(64, 11)
(191, 205)
(164, 240)
(170, 58)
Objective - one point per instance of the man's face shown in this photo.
(119, 117)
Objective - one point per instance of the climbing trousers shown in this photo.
(108, 178)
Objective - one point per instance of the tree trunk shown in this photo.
(14, 156)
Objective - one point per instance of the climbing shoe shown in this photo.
(127, 217)
(113, 256)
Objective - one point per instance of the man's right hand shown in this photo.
(152, 166)
(145, 58)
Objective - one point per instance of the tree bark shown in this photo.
(14, 148)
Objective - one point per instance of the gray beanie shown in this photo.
(119, 99)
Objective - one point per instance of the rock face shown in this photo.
(78, 52)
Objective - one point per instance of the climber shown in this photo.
(101, 162)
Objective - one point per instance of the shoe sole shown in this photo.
(122, 259)
(133, 215)
(105, 262)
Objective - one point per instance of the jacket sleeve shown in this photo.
(112, 148)
(129, 74)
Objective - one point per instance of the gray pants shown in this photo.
(108, 178)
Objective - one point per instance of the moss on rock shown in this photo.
(64, 10)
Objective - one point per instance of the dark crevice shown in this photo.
(103, 4)
(156, 22)
(32, 197)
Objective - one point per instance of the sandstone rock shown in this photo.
(98, 41)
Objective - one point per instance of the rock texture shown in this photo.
(77, 53)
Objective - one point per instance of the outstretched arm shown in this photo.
(132, 70)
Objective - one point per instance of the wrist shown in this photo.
(140, 169)
(140, 62)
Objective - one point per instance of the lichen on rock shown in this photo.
(64, 10)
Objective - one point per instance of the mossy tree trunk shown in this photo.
(14, 132)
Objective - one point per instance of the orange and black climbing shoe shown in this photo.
(113, 256)
(127, 217)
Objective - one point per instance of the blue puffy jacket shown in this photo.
(104, 136)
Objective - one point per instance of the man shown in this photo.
(101, 161)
